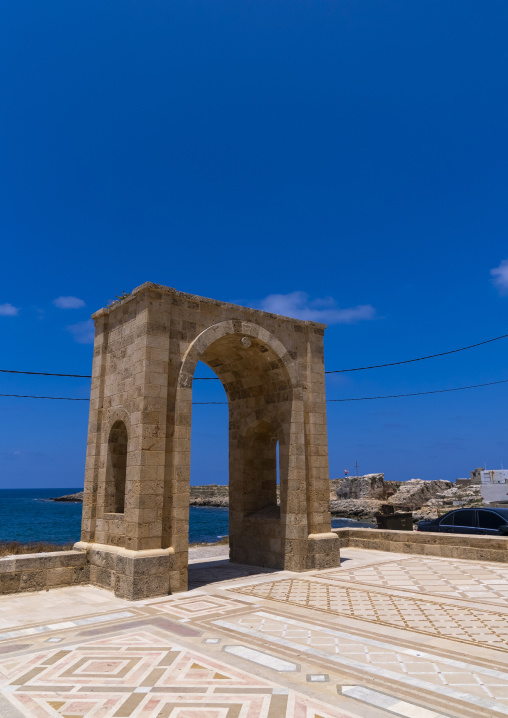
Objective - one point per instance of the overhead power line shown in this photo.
(331, 371)
(361, 398)
(409, 361)
(59, 398)
(421, 393)
(45, 373)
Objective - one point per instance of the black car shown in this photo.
(491, 522)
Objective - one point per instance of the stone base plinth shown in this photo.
(134, 575)
(317, 551)
(323, 551)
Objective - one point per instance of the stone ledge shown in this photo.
(40, 571)
(81, 546)
(464, 546)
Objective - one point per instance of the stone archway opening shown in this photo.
(260, 394)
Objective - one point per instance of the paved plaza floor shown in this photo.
(385, 635)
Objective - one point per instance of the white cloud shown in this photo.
(500, 277)
(325, 309)
(83, 332)
(68, 303)
(8, 310)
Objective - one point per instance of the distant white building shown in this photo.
(494, 485)
(494, 476)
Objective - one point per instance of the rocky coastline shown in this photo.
(359, 497)
(212, 495)
(70, 498)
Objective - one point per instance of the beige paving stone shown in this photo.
(57, 604)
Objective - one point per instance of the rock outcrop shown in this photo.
(370, 486)
(211, 495)
(413, 494)
(457, 496)
(362, 497)
(70, 498)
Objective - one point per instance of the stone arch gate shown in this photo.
(136, 501)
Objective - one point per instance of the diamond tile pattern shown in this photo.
(378, 654)
(201, 606)
(460, 579)
(457, 622)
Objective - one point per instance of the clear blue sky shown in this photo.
(353, 152)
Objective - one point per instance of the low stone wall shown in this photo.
(465, 546)
(118, 571)
(39, 571)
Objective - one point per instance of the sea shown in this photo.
(29, 515)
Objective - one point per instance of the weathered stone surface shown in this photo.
(369, 486)
(35, 572)
(413, 494)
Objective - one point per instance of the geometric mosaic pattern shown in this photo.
(229, 651)
(140, 674)
(199, 606)
(458, 579)
(442, 620)
(375, 654)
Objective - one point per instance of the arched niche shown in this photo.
(116, 470)
(259, 469)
